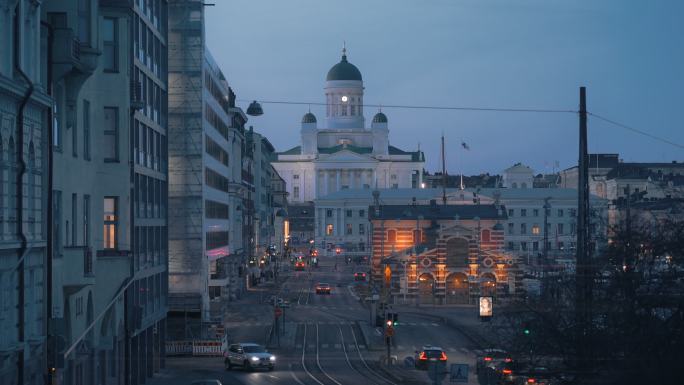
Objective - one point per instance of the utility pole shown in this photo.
(583, 278)
(444, 178)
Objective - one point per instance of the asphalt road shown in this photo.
(328, 347)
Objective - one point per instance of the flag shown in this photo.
(465, 146)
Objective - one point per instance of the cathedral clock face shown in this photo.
(344, 99)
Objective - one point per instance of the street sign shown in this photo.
(458, 373)
(278, 312)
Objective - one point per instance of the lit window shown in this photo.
(391, 236)
(328, 229)
(110, 222)
(535, 230)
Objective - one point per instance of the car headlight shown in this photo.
(272, 358)
(255, 358)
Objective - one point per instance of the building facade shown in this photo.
(147, 295)
(207, 141)
(441, 254)
(91, 233)
(344, 154)
(24, 147)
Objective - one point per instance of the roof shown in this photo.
(309, 118)
(416, 156)
(380, 118)
(436, 193)
(438, 211)
(340, 147)
(344, 70)
(293, 151)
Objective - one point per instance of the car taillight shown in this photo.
(443, 357)
(531, 380)
(488, 359)
(508, 360)
(507, 371)
(422, 356)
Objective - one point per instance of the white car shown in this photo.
(249, 356)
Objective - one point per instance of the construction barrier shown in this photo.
(194, 348)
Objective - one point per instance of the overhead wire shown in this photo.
(635, 130)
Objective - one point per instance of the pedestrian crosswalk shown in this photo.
(330, 347)
(339, 322)
(325, 307)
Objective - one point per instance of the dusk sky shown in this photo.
(475, 53)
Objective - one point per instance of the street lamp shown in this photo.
(255, 109)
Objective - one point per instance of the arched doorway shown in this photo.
(426, 284)
(457, 289)
(488, 285)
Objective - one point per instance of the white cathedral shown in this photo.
(345, 154)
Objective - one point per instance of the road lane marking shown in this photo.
(324, 346)
(435, 324)
(337, 346)
(452, 350)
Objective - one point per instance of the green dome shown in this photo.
(380, 118)
(344, 70)
(309, 118)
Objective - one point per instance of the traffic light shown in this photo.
(388, 323)
(392, 319)
(526, 328)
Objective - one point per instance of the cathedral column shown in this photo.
(337, 180)
(374, 178)
(326, 181)
(314, 188)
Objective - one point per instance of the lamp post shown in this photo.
(545, 250)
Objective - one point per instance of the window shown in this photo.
(86, 220)
(84, 21)
(523, 212)
(86, 130)
(395, 185)
(510, 246)
(362, 213)
(510, 228)
(561, 246)
(523, 246)
(295, 176)
(215, 210)
(560, 212)
(349, 213)
(362, 229)
(110, 222)
(523, 228)
(216, 239)
(110, 42)
(535, 230)
(573, 213)
(56, 128)
(349, 229)
(366, 186)
(560, 229)
(74, 215)
(295, 192)
(215, 180)
(212, 148)
(417, 236)
(510, 213)
(391, 236)
(535, 212)
(486, 236)
(328, 213)
(394, 177)
(535, 246)
(328, 229)
(573, 228)
(111, 134)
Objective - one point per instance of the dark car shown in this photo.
(429, 354)
(359, 276)
(536, 376)
(323, 288)
(489, 358)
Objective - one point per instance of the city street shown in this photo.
(324, 342)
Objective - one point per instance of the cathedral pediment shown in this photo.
(346, 155)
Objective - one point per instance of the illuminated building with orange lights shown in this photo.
(443, 254)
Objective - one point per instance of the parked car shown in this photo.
(323, 288)
(206, 382)
(429, 354)
(249, 356)
(359, 276)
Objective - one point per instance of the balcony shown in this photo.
(70, 57)
(77, 266)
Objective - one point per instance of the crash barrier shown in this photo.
(194, 348)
